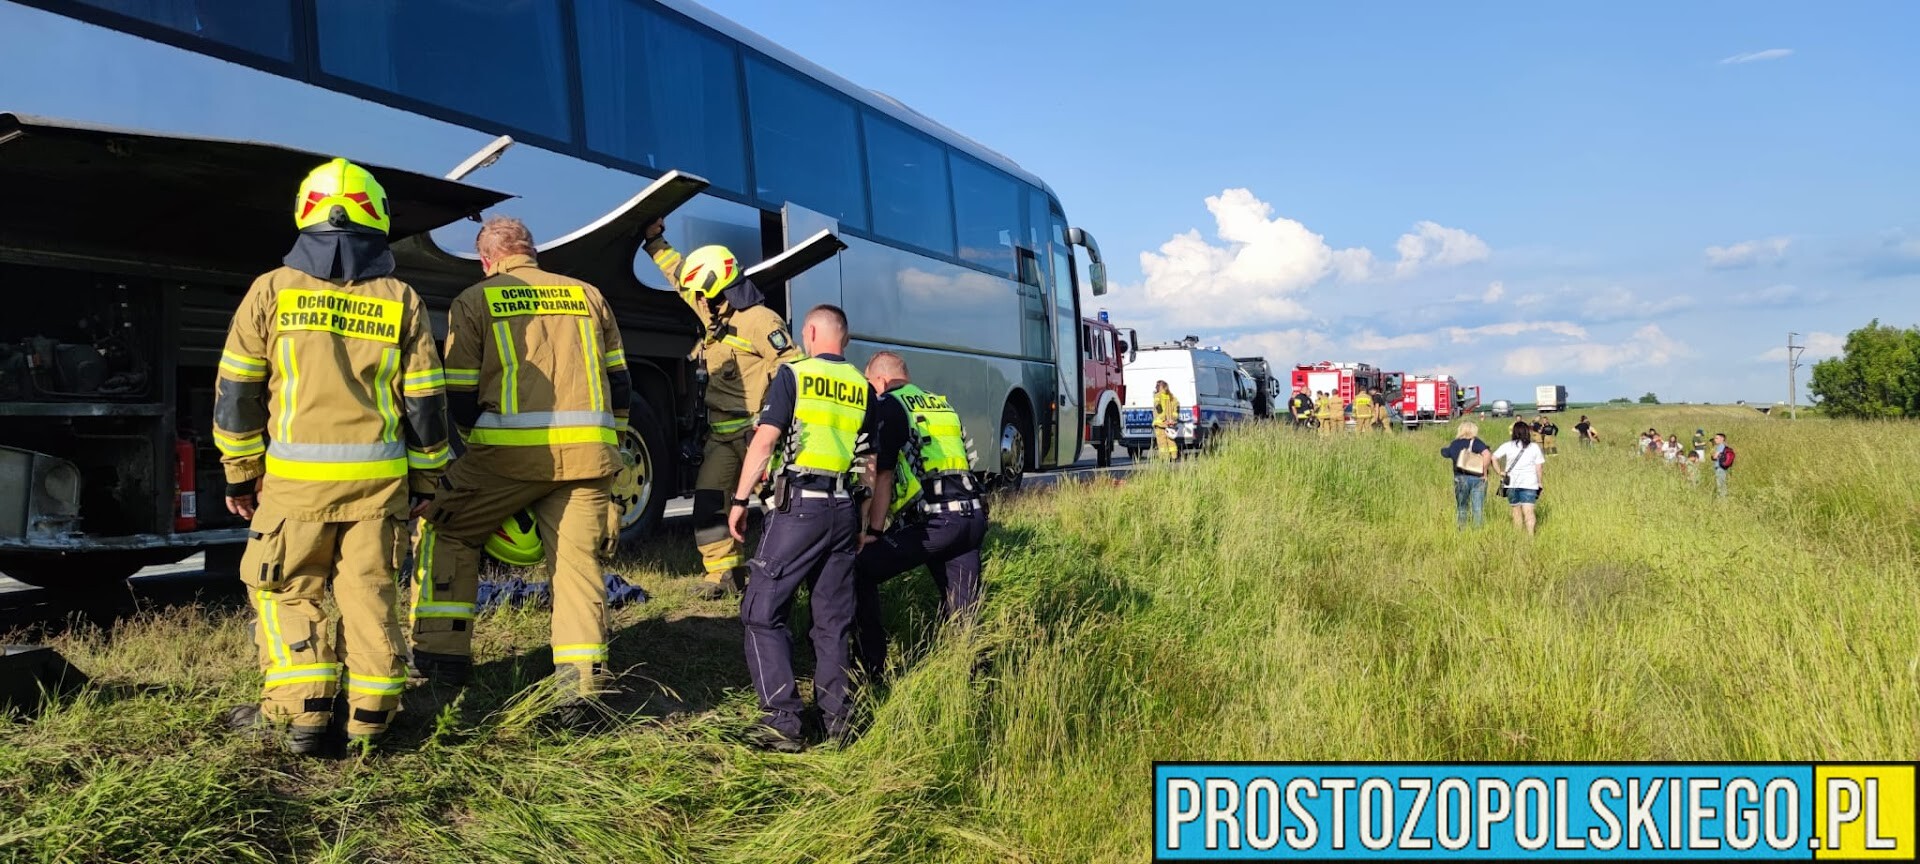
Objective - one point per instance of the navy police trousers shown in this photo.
(948, 544)
(812, 542)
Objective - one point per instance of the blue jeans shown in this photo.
(1720, 481)
(1469, 493)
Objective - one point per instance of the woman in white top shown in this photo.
(1524, 466)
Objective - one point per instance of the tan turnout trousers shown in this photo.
(302, 644)
(719, 471)
(574, 521)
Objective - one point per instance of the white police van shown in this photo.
(1212, 389)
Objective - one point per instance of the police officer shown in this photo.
(1166, 421)
(330, 414)
(933, 500)
(1380, 412)
(1301, 407)
(538, 385)
(744, 343)
(819, 414)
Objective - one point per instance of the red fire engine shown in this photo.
(1102, 352)
(1327, 376)
(1436, 399)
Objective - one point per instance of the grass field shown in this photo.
(1286, 598)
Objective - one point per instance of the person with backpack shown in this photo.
(1523, 467)
(1468, 455)
(1723, 456)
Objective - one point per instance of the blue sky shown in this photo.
(1618, 197)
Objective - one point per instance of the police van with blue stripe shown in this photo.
(1213, 392)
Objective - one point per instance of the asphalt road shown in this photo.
(183, 581)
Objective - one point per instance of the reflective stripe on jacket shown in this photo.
(333, 391)
(830, 404)
(937, 444)
(542, 354)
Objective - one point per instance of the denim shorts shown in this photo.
(1523, 496)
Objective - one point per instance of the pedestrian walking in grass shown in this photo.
(1722, 463)
(1523, 467)
(1468, 455)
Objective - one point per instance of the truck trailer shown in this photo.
(1550, 397)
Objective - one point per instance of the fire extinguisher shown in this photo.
(186, 508)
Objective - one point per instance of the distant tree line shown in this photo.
(1877, 376)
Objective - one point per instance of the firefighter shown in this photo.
(1301, 405)
(1362, 410)
(819, 412)
(743, 343)
(538, 386)
(1330, 410)
(1166, 422)
(938, 517)
(330, 416)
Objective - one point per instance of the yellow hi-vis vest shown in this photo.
(1362, 406)
(937, 445)
(829, 406)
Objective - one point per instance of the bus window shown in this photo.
(263, 27)
(986, 211)
(805, 147)
(907, 173)
(501, 62)
(661, 93)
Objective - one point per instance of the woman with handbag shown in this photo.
(1469, 456)
(1523, 468)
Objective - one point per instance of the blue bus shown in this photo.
(954, 256)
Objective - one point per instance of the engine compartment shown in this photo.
(102, 372)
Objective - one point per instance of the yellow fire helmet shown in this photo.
(516, 543)
(348, 187)
(708, 271)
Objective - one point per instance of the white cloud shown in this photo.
(1648, 347)
(1748, 253)
(1431, 244)
(1255, 275)
(1495, 291)
(1757, 56)
(1619, 304)
(1368, 340)
(1818, 345)
(1282, 347)
(1469, 335)
(1252, 278)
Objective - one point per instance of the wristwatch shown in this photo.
(739, 502)
(875, 532)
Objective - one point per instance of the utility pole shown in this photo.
(1793, 376)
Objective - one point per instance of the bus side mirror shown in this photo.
(1098, 273)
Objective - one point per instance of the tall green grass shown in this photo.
(1286, 598)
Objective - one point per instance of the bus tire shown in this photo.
(1015, 447)
(640, 492)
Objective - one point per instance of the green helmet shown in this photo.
(516, 543)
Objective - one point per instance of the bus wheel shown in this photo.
(640, 490)
(1109, 439)
(1013, 448)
